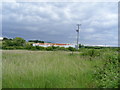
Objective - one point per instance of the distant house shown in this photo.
(53, 44)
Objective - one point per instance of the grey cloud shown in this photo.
(56, 22)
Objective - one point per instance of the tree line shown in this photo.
(20, 43)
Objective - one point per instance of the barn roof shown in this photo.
(50, 44)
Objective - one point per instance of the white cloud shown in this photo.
(89, 30)
(59, 0)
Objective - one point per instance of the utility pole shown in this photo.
(77, 46)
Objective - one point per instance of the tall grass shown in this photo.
(0, 69)
(0, 65)
(34, 69)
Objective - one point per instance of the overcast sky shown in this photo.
(56, 22)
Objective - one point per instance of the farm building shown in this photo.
(53, 44)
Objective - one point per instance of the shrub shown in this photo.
(91, 53)
(108, 75)
(55, 48)
(62, 48)
(71, 49)
(18, 41)
(9, 48)
(19, 47)
(49, 48)
(41, 48)
(28, 46)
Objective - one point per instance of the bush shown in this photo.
(71, 49)
(28, 46)
(33, 48)
(91, 53)
(19, 47)
(13, 47)
(55, 48)
(108, 75)
(49, 48)
(41, 48)
(18, 41)
(62, 49)
(9, 48)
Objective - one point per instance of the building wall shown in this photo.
(48, 45)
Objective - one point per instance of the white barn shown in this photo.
(53, 44)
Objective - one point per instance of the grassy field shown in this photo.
(48, 69)
(0, 69)
(0, 65)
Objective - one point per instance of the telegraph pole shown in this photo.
(77, 47)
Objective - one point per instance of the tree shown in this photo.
(13, 43)
(80, 45)
(36, 41)
(18, 41)
(49, 48)
(5, 39)
(71, 48)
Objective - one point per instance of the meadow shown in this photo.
(52, 69)
(0, 65)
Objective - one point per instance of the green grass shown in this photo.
(0, 65)
(0, 44)
(43, 69)
(0, 69)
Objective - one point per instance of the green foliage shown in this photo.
(81, 46)
(0, 44)
(8, 43)
(28, 46)
(40, 48)
(13, 48)
(62, 49)
(91, 53)
(71, 49)
(16, 43)
(107, 76)
(9, 48)
(49, 48)
(55, 48)
(19, 47)
(36, 41)
(4, 39)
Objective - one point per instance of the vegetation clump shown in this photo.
(107, 76)
(91, 53)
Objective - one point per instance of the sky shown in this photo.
(57, 22)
